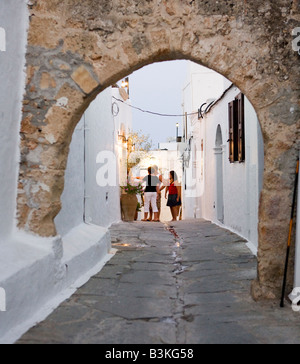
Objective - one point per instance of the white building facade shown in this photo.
(13, 33)
(223, 191)
(97, 163)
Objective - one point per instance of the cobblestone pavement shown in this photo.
(192, 288)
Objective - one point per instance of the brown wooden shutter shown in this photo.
(241, 127)
(231, 131)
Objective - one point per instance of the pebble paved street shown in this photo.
(190, 285)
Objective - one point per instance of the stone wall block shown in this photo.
(84, 80)
(44, 32)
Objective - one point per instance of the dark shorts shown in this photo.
(172, 201)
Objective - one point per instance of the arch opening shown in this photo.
(204, 152)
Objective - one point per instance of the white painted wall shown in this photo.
(103, 128)
(168, 146)
(96, 151)
(242, 182)
(202, 85)
(13, 25)
(72, 212)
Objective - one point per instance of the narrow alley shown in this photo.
(189, 284)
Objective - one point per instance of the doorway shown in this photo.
(219, 204)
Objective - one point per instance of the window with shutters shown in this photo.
(236, 115)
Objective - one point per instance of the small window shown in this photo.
(237, 129)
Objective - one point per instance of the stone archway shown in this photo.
(78, 48)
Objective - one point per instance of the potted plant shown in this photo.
(129, 201)
(138, 209)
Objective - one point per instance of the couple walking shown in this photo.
(152, 194)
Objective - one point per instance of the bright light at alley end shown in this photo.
(125, 84)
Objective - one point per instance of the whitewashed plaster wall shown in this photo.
(72, 212)
(202, 84)
(102, 205)
(96, 136)
(242, 182)
(13, 26)
(194, 174)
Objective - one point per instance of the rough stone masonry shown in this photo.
(78, 48)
